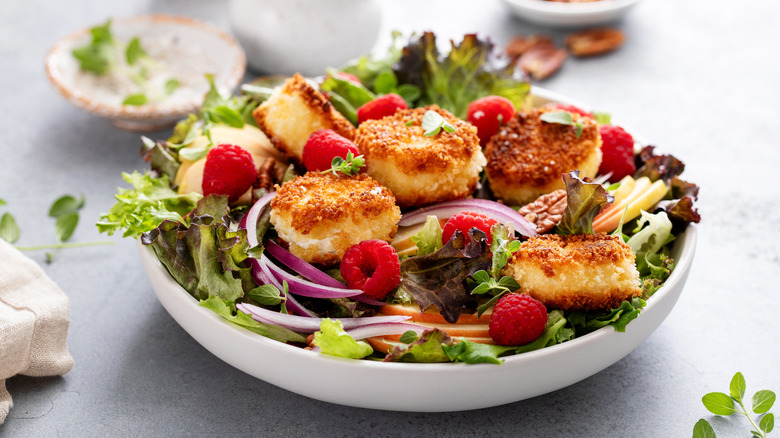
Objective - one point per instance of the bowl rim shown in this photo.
(144, 112)
(572, 9)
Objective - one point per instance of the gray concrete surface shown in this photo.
(697, 78)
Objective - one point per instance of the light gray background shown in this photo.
(697, 78)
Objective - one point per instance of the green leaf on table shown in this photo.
(718, 403)
(763, 401)
(135, 99)
(703, 429)
(66, 204)
(66, 225)
(737, 386)
(2, 202)
(134, 51)
(171, 85)
(767, 422)
(9, 230)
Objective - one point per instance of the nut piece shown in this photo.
(266, 175)
(520, 44)
(546, 211)
(594, 41)
(542, 60)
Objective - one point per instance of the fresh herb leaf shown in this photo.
(266, 295)
(66, 204)
(726, 404)
(703, 429)
(134, 51)
(562, 118)
(408, 337)
(226, 115)
(433, 123)
(602, 118)
(171, 85)
(9, 230)
(349, 166)
(333, 340)
(474, 352)
(66, 225)
(135, 99)
(98, 56)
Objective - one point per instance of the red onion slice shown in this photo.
(500, 212)
(262, 275)
(310, 325)
(301, 266)
(384, 329)
(305, 287)
(252, 216)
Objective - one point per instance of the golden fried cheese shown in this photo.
(293, 112)
(576, 272)
(321, 216)
(527, 156)
(421, 169)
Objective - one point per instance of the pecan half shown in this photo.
(546, 211)
(592, 42)
(542, 60)
(520, 44)
(266, 175)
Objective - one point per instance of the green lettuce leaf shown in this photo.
(584, 322)
(427, 349)
(144, 207)
(651, 238)
(333, 340)
(555, 332)
(204, 257)
(439, 279)
(428, 239)
(470, 70)
(584, 201)
(475, 352)
(227, 309)
(368, 68)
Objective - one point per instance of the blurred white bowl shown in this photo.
(304, 36)
(570, 14)
(218, 53)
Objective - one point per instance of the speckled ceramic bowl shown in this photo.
(218, 53)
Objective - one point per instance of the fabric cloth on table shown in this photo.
(34, 320)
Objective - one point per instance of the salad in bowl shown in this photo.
(423, 207)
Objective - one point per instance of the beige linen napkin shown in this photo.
(34, 319)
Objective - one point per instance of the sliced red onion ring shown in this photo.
(310, 325)
(306, 288)
(301, 266)
(253, 215)
(384, 329)
(500, 212)
(262, 275)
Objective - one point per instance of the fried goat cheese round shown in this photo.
(421, 169)
(576, 272)
(527, 156)
(321, 216)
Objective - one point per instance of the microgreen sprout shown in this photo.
(433, 123)
(348, 166)
(562, 118)
(720, 403)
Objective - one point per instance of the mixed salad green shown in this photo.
(203, 245)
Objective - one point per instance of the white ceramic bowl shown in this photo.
(570, 14)
(216, 50)
(418, 387)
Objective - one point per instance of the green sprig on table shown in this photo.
(720, 403)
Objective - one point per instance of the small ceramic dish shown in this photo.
(579, 14)
(185, 48)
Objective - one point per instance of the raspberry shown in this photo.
(464, 222)
(322, 146)
(373, 267)
(488, 114)
(517, 319)
(572, 109)
(382, 106)
(229, 170)
(617, 151)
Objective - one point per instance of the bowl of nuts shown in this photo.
(570, 13)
